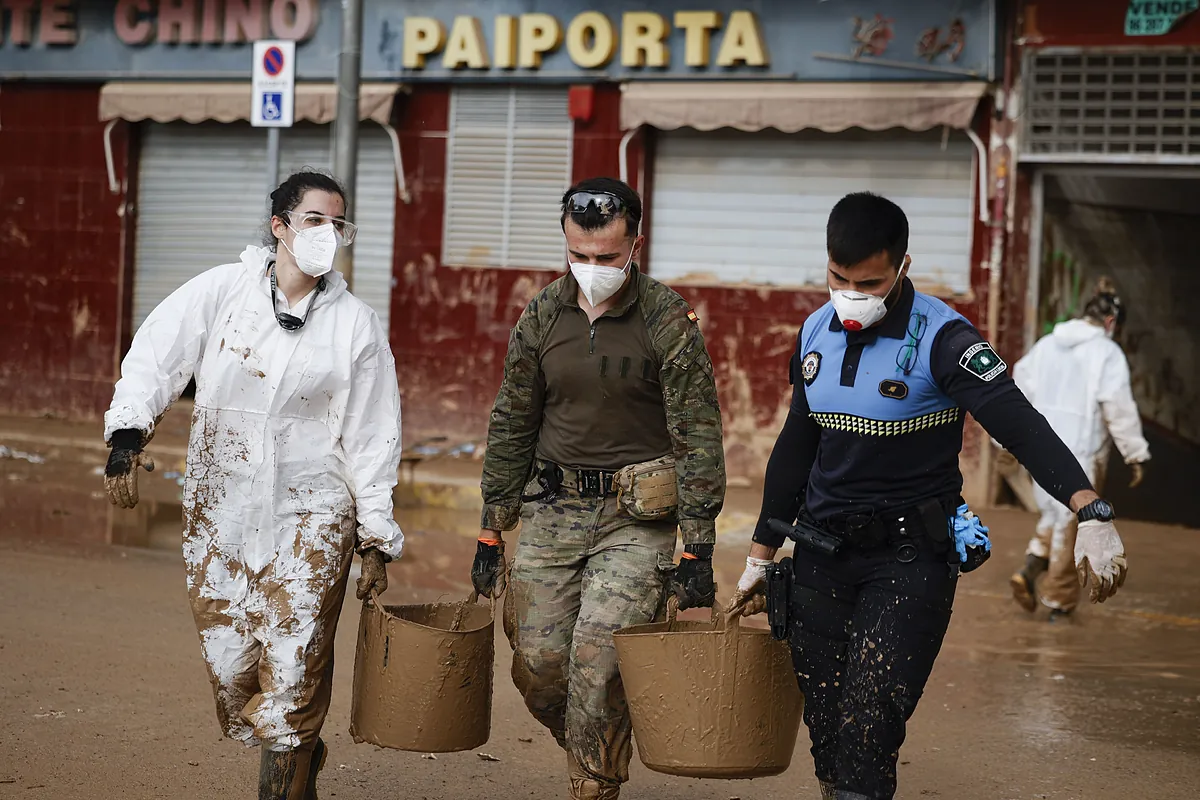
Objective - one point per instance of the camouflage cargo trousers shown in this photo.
(583, 569)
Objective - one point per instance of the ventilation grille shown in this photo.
(1113, 106)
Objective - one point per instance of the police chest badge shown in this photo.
(982, 361)
(809, 367)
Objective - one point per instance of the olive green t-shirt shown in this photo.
(602, 402)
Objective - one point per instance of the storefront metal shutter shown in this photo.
(508, 163)
(731, 207)
(202, 197)
(1111, 107)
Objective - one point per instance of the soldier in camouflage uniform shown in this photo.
(606, 368)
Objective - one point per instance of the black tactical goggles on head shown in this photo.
(608, 205)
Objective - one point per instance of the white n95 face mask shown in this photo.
(858, 310)
(314, 249)
(599, 282)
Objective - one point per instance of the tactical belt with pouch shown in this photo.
(647, 491)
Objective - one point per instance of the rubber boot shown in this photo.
(1024, 581)
(284, 775)
(828, 791)
(585, 787)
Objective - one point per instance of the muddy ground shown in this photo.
(103, 693)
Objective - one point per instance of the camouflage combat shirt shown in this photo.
(688, 392)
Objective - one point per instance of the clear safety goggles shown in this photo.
(301, 220)
(608, 205)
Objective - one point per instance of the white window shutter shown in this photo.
(508, 163)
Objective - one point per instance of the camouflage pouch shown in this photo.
(648, 490)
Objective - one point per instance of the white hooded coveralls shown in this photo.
(293, 456)
(1078, 379)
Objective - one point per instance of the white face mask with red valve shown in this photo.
(859, 310)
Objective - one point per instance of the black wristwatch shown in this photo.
(1098, 509)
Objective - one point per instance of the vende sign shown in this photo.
(143, 22)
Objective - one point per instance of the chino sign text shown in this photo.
(592, 40)
(142, 22)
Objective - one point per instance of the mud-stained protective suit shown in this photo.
(1078, 379)
(294, 452)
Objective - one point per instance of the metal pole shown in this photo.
(345, 132)
(272, 160)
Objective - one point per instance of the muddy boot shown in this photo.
(828, 791)
(319, 754)
(1023, 582)
(284, 775)
(585, 787)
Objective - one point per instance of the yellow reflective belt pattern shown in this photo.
(874, 427)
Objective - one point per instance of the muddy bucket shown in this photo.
(423, 676)
(710, 699)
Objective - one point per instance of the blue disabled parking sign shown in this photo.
(272, 106)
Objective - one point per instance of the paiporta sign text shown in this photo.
(592, 40)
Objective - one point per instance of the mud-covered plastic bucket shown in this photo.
(423, 676)
(710, 699)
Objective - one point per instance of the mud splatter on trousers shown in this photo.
(865, 632)
(267, 636)
(583, 569)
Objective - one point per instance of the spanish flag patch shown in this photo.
(692, 316)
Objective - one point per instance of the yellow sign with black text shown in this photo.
(592, 40)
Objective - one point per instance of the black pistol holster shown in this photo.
(779, 597)
(550, 478)
(808, 536)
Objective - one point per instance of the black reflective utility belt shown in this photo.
(587, 482)
(901, 528)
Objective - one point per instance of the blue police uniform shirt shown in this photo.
(890, 403)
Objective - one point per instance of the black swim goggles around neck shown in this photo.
(290, 322)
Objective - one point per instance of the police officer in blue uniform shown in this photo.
(866, 468)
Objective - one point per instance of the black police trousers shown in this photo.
(864, 632)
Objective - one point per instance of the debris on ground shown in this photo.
(523, 739)
(32, 458)
(429, 757)
(487, 757)
(49, 714)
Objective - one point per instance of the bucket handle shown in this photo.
(470, 599)
(456, 625)
(721, 621)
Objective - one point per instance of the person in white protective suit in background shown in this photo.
(293, 457)
(1078, 378)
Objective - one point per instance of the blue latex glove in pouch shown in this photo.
(970, 539)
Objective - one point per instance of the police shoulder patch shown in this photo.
(982, 361)
(810, 366)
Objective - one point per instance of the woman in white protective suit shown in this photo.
(1078, 378)
(293, 456)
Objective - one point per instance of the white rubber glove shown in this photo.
(750, 597)
(1100, 559)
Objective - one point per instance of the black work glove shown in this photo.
(489, 573)
(692, 579)
(374, 573)
(120, 475)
